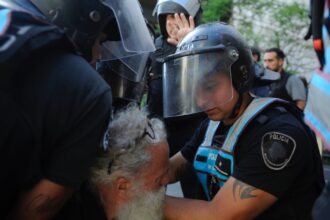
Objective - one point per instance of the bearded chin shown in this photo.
(144, 206)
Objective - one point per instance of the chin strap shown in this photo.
(237, 106)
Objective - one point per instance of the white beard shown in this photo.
(144, 206)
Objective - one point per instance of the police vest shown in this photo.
(215, 165)
(278, 89)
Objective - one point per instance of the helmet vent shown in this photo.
(233, 54)
(53, 14)
(200, 37)
(95, 16)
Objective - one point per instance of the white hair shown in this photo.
(130, 134)
(144, 206)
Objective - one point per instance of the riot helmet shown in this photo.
(264, 76)
(210, 57)
(165, 7)
(124, 90)
(119, 22)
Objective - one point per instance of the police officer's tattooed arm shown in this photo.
(235, 200)
(178, 165)
(42, 202)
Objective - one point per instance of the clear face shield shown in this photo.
(196, 82)
(136, 42)
(191, 6)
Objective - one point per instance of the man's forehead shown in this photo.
(270, 55)
(158, 151)
(159, 163)
(160, 155)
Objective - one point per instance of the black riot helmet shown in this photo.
(165, 7)
(264, 76)
(206, 52)
(120, 22)
(125, 87)
(124, 90)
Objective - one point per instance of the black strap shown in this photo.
(264, 117)
(327, 24)
(317, 17)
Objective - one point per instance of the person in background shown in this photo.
(256, 54)
(175, 18)
(130, 176)
(289, 87)
(263, 77)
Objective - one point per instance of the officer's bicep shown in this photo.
(238, 200)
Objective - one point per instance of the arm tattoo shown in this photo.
(244, 191)
(44, 204)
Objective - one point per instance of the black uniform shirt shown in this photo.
(67, 105)
(296, 184)
(54, 106)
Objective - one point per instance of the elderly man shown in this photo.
(131, 173)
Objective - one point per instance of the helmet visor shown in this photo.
(264, 76)
(136, 42)
(196, 83)
(121, 87)
(190, 6)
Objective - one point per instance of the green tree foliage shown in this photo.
(217, 10)
(269, 23)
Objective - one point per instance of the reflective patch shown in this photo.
(4, 20)
(277, 150)
(223, 165)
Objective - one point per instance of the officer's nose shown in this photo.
(202, 102)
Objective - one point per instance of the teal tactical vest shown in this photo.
(215, 165)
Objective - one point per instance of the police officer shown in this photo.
(54, 105)
(168, 13)
(176, 18)
(255, 157)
